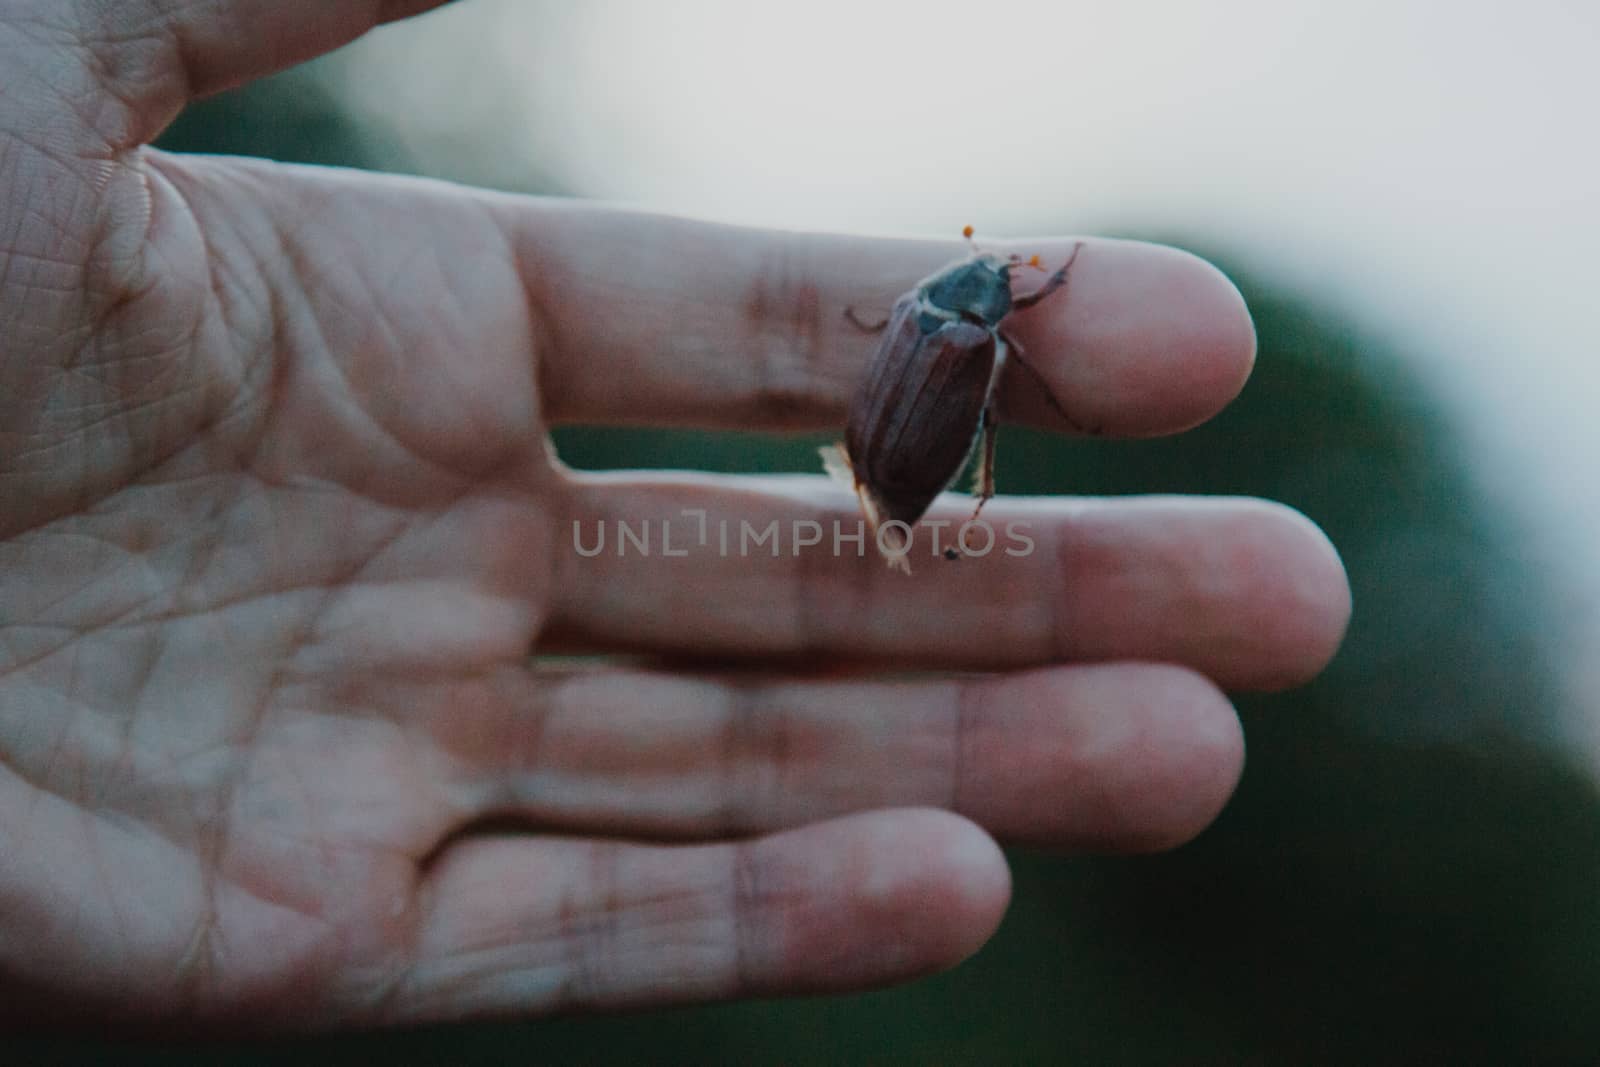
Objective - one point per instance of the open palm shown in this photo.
(280, 527)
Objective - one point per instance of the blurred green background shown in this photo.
(1410, 870)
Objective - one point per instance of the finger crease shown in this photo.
(784, 311)
(744, 905)
(963, 726)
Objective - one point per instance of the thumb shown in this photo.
(140, 61)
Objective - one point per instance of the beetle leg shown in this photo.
(1021, 358)
(983, 482)
(862, 325)
(1054, 282)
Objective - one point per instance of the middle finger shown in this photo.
(1247, 592)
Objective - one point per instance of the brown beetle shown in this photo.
(930, 394)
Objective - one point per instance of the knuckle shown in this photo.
(789, 337)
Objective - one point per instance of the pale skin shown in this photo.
(280, 529)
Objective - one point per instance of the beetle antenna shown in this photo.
(1015, 258)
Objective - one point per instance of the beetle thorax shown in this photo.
(977, 289)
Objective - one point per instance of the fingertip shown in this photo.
(941, 874)
(1201, 340)
(1149, 340)
(970, 884)
(1121, 757)
(1305, 592)
(884, 897)
(1185, 779)
(1226, 344)
(1253, 593)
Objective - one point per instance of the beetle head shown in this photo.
(978, 288)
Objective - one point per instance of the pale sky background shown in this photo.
(1432, 167)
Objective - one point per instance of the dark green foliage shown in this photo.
(289, 117)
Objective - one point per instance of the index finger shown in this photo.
(653, 320)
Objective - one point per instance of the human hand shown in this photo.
(279, 527)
